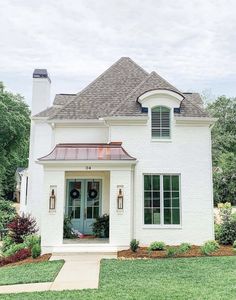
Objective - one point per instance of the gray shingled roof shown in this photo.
(62, 99)
(115, 93)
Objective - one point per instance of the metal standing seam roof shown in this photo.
(87, 152)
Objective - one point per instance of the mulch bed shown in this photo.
(44, 257)
(195, 251)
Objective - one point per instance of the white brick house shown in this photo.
(129, 134)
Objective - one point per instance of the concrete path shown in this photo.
(80, 271)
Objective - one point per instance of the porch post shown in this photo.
(52, 221)
(121, 221)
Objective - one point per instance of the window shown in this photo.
(160, 122)
(161, 199)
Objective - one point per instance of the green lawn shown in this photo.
(181, 278)
(29, 273)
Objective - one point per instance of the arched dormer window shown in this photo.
(160, 122)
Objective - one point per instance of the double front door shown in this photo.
(83, 203)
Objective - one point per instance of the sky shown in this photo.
(192, 44)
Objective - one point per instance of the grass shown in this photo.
(29, 273)
(182, 278)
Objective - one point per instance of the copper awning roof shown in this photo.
(84, 152)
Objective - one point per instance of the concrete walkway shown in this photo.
(80, 271)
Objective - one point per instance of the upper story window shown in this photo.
(160, 122)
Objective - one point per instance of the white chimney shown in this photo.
(41, 91)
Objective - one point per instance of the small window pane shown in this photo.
(147, 195)
(156, 216)
(176, 216)
(148, 203)
(175, 199)
(175, 183)
(156, 182)
(148, 216)
(167, 202)
(77, 213)
(96, 212)
(89, 213)
(167, 216)
(166, 181)
(156, 203)
(147, 182)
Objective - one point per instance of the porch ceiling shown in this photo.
(88, 152)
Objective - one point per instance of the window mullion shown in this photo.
(161, 200)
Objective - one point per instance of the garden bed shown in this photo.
(42, 258)
(195, 251)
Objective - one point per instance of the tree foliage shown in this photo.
(224, 149)
(14, 138)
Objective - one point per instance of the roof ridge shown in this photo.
(168, 83)
(94, 81)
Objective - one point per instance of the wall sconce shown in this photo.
(52, 198)
(120, 197)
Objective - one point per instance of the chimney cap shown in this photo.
(41, 73)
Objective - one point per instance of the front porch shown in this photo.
(83, 190)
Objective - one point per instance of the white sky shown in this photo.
(190, 43)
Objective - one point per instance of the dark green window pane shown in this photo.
(156, 202)
(147, 195)
(147, 182)
(156, 182)
(165, 109)
(175, 199)
(147, 216)
(175, 183)
(156, 216)
(167, 216)
(156, 195)
(148, 203)
(167, 203)
(167, 195)
(96, 212)
(176, 216)
(77, 213)
(166, 183)
(89, 213)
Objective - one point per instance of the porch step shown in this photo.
(71, 249)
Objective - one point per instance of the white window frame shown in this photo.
(161, 139)
(162, 225)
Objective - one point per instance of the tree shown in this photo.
(14, 138)
(224, 149)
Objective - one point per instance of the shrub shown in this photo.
(134, 244)
(31, 240)
(7, 213)
(67, 229)
(227, 230)
(14, 248)
(157, 246)
(101, 226)
(234, 245)
(171, 251)
(20, 255)
(21, 226)
(209, 247)
(184, 247)
(36, 251)
(7, 243)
